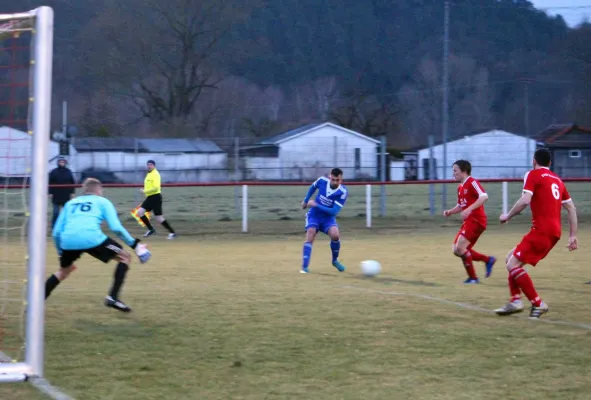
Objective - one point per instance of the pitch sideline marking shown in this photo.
(42, 384)
(466, 306)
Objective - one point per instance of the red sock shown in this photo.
(467, 259)
(476, 256)
(522, 279)
(514, 289)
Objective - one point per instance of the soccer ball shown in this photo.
(370, 268)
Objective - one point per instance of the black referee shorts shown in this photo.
(106, 251)
(153, 203)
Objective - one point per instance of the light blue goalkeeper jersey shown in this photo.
(78, 226)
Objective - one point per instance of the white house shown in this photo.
(124, 159)
(493, 154)
(15, 153)
(309, 151)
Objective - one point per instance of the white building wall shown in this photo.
(263, 168)
(174, 168)
(397, 169)
(15, 153)
(315, 153)
(494, 154)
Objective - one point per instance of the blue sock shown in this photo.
(335, 247)
(307, 255)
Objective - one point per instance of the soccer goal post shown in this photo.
(25, 127)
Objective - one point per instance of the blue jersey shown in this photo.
(78, 226)
(330, 201)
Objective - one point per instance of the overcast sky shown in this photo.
(571, 16)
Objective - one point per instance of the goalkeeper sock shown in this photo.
(335, 247)
(146, 222)
(307, 254)
(50, 284)
(119, 277)
(167, 226)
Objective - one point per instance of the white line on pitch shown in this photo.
(45, 387)
(41, 384)
(462, 305)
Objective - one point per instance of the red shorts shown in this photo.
(471, 230)
(534, 247)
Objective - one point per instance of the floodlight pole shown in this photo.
(526, 121)
(445, 101)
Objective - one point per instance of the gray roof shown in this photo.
(285, 135)
(180, 146)
(147, 145)
(565, 135)
(107, 144)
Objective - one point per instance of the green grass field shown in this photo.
(223, 315)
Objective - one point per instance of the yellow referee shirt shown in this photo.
(152, 183)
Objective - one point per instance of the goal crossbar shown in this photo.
(28, 15)
(40, 22)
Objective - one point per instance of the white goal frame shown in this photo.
(40, 106)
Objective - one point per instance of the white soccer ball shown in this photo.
(370, 267)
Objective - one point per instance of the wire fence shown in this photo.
(261, 208)
(494, 154)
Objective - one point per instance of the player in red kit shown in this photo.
(546, 194)
(471, 199)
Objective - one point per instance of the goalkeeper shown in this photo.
(78, 230)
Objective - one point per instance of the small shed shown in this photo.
(570, 145)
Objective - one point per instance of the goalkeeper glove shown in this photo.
(141, 250)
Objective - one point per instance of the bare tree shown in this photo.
(314, 100)
(326, 90)
(421, 102)
(162, 54)
(470, 99)
(274, 96)
(99, 115)
(370, 115)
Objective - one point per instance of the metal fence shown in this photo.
(275, 209)
(123, 160)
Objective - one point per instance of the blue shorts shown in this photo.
(322, 222)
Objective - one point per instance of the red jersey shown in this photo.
(468, 192)
(548, 194)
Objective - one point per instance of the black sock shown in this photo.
(119, 277)
(146, 221)
(50, 284)
(167, 226)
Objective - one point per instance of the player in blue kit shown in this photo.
(322, 213)
(78, 230)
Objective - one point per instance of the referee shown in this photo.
(153, 201)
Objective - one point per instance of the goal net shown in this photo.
(26, 46)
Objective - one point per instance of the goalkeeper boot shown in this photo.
(337, 264)
(116, 304)
(513, 307)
